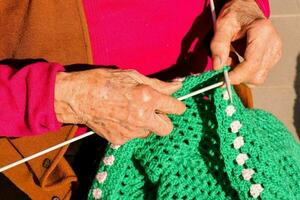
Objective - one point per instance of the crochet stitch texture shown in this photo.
(217, 150)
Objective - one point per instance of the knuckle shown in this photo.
(146, 92)
(235, 77)
(259, 79)
(216, 45)
(156, 81)
(143, 133)
(266, 27)
(219, 22)
(229, 21)
(118, 140)
(132, 71)
(237, 80)
(213, 44)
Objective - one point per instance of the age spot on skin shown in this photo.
(146, 97)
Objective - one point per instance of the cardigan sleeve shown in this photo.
(27, 99)
(264, 6)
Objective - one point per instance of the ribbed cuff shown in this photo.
(53, 123)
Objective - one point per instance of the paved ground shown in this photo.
(281, 92)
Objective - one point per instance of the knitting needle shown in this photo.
(201, 91)
(2, 169)
(228, 85)
(214, 19)
(213, 12)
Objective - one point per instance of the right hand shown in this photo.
(118, 105)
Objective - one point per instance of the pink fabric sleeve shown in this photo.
(264, 6)
(27, 99)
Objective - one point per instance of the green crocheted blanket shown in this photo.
(217, 150)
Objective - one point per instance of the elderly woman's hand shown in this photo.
(237, 19)
(118, 105)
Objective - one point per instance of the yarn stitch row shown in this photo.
(235, 126)
(101, 176)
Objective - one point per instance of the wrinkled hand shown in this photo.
(237, 19)
(118, 105)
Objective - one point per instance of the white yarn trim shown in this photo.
(225, 95)
(109, 160)
(230, 110)
(256, 190)
(241, 158)
(235, 126)
(238, 142)
(97, 193)
(101, 177)
(247, 174)
(115, 146)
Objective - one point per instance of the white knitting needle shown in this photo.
(214, 19)
(2, 169)
(45, 151)
(201, 91)
(228, 85)
(213, 11)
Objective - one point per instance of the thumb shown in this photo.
(220, 44)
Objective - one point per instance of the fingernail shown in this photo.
(217, 62)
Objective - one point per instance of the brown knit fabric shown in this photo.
(46, 176)
(55, 31)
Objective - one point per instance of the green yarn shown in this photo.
(198, 159)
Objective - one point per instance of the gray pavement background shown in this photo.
(280, 94)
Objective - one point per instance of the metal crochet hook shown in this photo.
(2, 169)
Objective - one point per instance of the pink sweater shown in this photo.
(143, 35)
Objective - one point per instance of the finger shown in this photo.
(161, 86)
(241, 73)
(169, 105)
(161, 125)
(246, 70)
(102, 129)
(134, 132)
(127, 132)
(251, 70)
(143, 133)
(225, 31)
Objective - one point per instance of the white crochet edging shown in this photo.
(97, 193)
(255, 189)
(230, 110)
(101, 176)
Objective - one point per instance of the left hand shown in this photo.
(237, 19)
